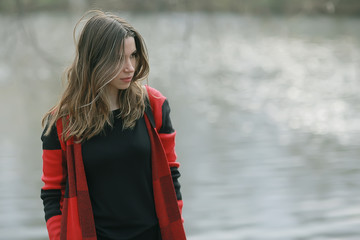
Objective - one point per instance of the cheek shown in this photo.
(121, 71)
(134, 62)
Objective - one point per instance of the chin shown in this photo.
(124, 87)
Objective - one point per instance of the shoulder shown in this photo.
(157, 100)
(154, 94)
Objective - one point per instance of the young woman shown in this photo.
(109, 165)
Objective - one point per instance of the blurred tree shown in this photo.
(339, 7)
(77, 5)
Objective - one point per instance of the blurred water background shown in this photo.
(266, 108)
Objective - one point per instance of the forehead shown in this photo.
(129, 45)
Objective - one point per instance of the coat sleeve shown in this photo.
(161, 111)
(54, 178)
(167, 135)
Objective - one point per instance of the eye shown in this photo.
(134, 54)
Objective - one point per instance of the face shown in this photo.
(123, 80)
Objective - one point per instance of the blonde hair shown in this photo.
(84, 105)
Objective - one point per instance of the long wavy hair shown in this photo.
(84, 105)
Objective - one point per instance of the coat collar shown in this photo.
(149, 113)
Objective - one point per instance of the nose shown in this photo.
(128, 66)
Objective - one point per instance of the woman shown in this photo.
(109, 165)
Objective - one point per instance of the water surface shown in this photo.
(266, 110)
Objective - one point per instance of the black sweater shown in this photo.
(118, 171)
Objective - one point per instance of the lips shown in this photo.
(127, 79)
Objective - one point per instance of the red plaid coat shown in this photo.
(65, 193)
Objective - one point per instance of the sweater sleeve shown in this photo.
(54, 178)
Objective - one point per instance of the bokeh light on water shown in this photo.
(266, 110)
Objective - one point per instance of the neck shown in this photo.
(114, 106)
(114, 99)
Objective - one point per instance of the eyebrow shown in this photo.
(133, 52)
